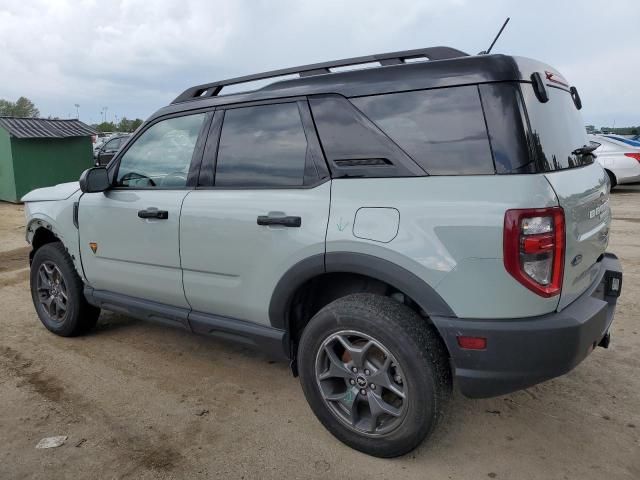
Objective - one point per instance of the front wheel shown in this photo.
(374, 373)
(57, 292)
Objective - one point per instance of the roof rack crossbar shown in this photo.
(384, 59)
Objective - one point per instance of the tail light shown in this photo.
(635, 156)
(533, 247)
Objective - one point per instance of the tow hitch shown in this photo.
(604, 343)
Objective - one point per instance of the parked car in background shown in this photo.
(109, 148)
(628, 140)
(98, 142)
(619, 157)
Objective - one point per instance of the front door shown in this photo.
(266, 210)
(129, 235)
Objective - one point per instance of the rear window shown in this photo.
(443, 130)
(557, 129)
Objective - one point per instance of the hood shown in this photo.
(61, 191)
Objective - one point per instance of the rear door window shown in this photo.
(443, 130)
(262, 146)
(557, 129)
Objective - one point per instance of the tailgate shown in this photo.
(581, 185)
(583, 193)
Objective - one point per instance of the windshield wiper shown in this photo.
(585, 150)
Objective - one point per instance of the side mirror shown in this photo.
(94, 180)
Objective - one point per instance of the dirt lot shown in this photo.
(139, 400)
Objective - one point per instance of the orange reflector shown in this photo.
(472, 343)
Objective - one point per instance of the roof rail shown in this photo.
(392, 58)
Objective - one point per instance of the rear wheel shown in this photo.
(57, 292)
(375, 374)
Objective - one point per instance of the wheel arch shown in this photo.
(342, 273)
(39, 233)
(43, 229)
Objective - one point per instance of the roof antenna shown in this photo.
(486, 52)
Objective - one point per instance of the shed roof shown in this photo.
(45, 128)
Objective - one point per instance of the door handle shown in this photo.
(153, 212)
(285, 221)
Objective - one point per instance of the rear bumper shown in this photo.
(524, 351)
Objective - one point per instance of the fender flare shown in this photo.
(39, 222)
(359, 263)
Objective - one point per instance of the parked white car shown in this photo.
(620, 159)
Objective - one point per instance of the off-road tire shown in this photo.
(409, 338)
(79, 316)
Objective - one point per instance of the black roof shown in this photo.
(382, 59)
(443, 67)
(45, 128)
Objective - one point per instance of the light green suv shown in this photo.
(390, 231)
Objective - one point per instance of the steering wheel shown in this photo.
(174, 179)
(137, 176)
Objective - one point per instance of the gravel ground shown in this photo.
(139, 400)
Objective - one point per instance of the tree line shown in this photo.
(23, 108)
(124, 125)
(616, 130)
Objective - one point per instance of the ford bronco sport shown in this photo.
(390, 231)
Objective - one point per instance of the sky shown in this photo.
(135, 56)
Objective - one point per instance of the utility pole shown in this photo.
(77, 105)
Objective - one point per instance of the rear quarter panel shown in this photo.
(449, 235)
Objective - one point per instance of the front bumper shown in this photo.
(521, 352)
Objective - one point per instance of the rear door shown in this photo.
(129, 234)
(581, 185)
(261, 207)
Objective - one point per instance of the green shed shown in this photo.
(37, 152)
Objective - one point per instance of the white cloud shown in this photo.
(135, 56)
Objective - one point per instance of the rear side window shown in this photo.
(354, 146)
(506, 123)
(262, 146)
(443, 130)
(557, 129)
